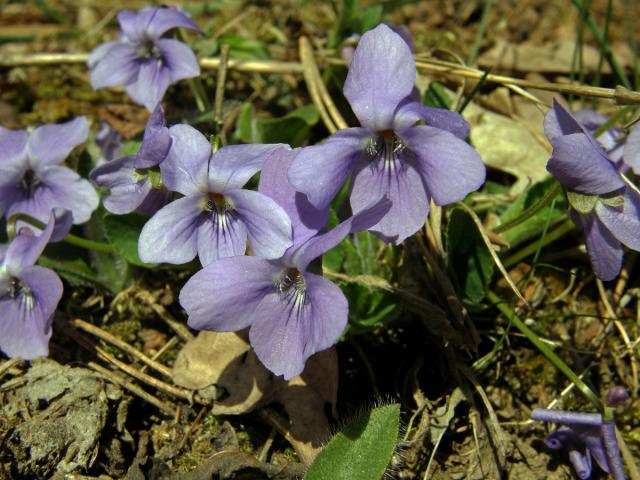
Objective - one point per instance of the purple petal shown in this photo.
(164, 19)
(63, 224)
(223, 296)
(119, 66)
(320, 171)
(59, 187)
(51, 144)
(155, 200)
(590, 436)
(126, 191)
(611, 461)
(382, 73)
(268, 225)
(581, 166)
(186, 166)
(133, 24)
(171, 235)
(403, 186)
(156, 141)
(558, 122)
(450, 167)
(604, 250)
(289, 328)
(98, 53)
(154, 77)
(233, 166)
(565, 417)
(623, 223)
(179, 59)
(13, 152)
(220, 236)
(24, 250)
(26, 321)
(581, 461)
(306, 220)
(411, 112)
(632, 150)
(316, 246)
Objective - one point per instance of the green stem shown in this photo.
(70, 239)
(561, 230)
(611, 121)
(602, 42)
(544, 349)
(480, 33)
(548, 197)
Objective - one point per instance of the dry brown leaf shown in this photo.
(508, 145)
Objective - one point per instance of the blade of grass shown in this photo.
(500, 304)
(473, 92)
(475, 50)
(607, 21)
(544, 240)
(617, 70)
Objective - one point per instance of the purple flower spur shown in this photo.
(603, 204)
(392, 154)
(585, 435)
(293, 313)
(29, 295)
(32, 178)
(141, 60)
(216, 216)
(134, 183)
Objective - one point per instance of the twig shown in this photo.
(309, 62)
(143, 377)
(192, 427)
(310, 71)
(620, 95)
(623, 333)
(124, 346)
(162, 350)
(9, 364)
(178, 327)
(132, 387)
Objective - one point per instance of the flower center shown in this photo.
(386, 146)
(29, 182)
(152, 173)
(20, 290)
(291, 286)
(147, 50)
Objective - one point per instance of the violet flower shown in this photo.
(391, 154)
(216, 216)
(604, 206)
(29, 295)
(143, 62)
(585, 435)
(109, 141)
(292, 313)
(134, 182)
(32, 178)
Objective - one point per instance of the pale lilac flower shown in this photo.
(109, 141)
(292, 313)
(32, 178)
(216, 216)
(141, 60)
(391, 154)
(585, 435)
(134, 183)
(29, 295)
(604, 206)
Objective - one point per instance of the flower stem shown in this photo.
(70, 239)
(548, 197)
(561, 230)
(544, 349)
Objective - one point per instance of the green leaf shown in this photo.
(123, 232)
(534, 225)
(368, 19)
(362, 450)
(468, 257)
(74, 271)
(292, 129)
(129, 148)
(244, 48)
(436, 96)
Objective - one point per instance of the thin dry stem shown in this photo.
(309, 72)
(623, 334)
(124, 346)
